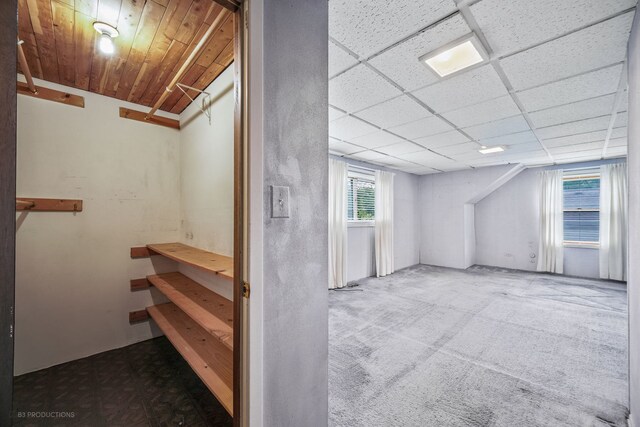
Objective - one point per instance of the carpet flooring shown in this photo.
(145, 384)
(431, 346)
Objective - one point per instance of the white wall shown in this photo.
(206, 178)
(73, 270)
(441, 205)
(634, 224)
(361, 261)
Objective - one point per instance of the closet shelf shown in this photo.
(208, 357)
(188, 255)
(211, 311)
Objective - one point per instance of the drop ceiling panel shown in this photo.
(442, 139)
(514, 25)
(622, 119)
(401, 148)
(368, 26)
(590, 85)
(367, 156)
(497, 128)
(424, 157)
(579, 156)
(393, 162)
(511, 139)
(347, 127)
(571, 112)
(577, 148)
(341, 147)
(452, 150)
(616, 152)
(339, 60)
(423, 127)
(394, 112)
(468, 88)
(334, 113)
(618, 142)
(593, 47)
(487, 111)
(377, 139)
(573, 128)
(401, 63)
(359, 88)
(582, 138)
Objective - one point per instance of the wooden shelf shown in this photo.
(210, 360)
(198, 258)
(211, 311)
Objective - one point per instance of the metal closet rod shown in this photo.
(188, 62)
(25, 67)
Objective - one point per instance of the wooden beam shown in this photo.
(51, 95)
(127, 113)
(48, 205)
(139, 284)
(141, 252)
(138, 316)
(231, 5)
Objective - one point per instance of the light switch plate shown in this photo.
(279, 202)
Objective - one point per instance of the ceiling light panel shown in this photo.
(377, 139)
(514, 25)
(394, 112)
(401, 63)
(573, 128)
(498, 128)
(442, 139)
(455, 57)
(368, 26)
(487, 111)
(347, 127)
(572, 112)
(339, 60)
(359, 88)
(593, 47)
(420, 128)
(589, 85)
(491, 150)
(468, 88)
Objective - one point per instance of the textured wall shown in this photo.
(295, 154)
(634, 223)
(73, 270)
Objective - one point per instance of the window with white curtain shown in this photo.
(361, 189)
(581, 208)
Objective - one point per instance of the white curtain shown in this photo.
(551, 222)
(613, 221)
(384, 223)
(337, 224)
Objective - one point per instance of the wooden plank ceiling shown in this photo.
(156, 37)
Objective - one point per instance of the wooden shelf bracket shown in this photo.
(48, 205)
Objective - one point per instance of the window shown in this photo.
(581, 209)
(361, 189)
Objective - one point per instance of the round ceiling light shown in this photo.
(107, 34)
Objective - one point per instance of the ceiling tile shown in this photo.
(376, 139)
(618, 142)
(514, 25)
(401, 148)
(420, 170)
(396, 163)
(423, 127)
(621, 119)
(349, 127)
(511, 139)
(367, 26)
(590, 85)
(394, 112)
(341, 147)
(452, 150)
(576, 139)
(442, 139)
(571, 112)
(339, 60)
(497, 128)
(487, 111)
(584, 50)
(576, 148)
(334, 113)
(582, 126)
(359, 88)
(579, 156)
(423, 157)
(470, 87)
(367, 156)
(624, 102)
(616, 152)
(401, 63)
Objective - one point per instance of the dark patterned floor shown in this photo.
(145, 384)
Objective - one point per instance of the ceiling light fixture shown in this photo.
(107, 34)
(490, 150)
(455, 56)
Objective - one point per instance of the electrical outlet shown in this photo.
(279, 202)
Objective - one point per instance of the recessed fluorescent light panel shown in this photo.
(456, 56)
(490, 150)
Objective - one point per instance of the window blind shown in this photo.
(361, 199)
(581, 209)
